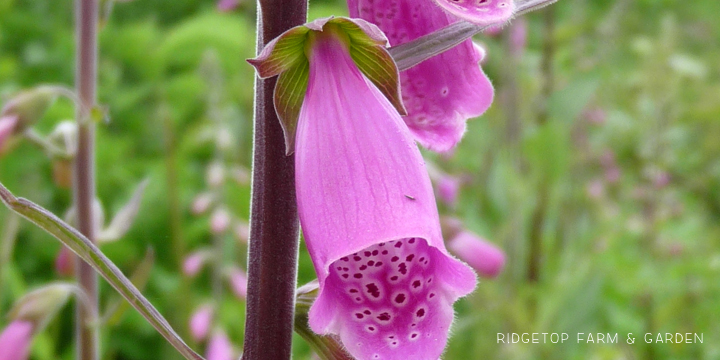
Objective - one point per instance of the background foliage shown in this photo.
(617, 175)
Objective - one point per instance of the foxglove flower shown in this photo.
(366, 206)
(486, 258)
(441, 93)
(219, 347)
(200, 322)
(15, 340)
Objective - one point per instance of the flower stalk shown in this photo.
(84, 172)
(274, 232)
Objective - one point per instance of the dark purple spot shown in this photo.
(378, 264)
(394, 259)
(375, 252)
(394, 278)
(357, 258)
(363, 267)
(371, 328)
(416, 284)
(402, 268)
(421, 259)
(367, 254)
(413, 325)
(384, 317)
(358, 276)
(345, 269)
(385, 252)
(432, 295)
(420, 313)
(345, 276)
(413, 336)
(394, 342)
(367, 312)
(400, 298)
(339, 268)
(391, 337)
(373, 290)
(352, 291)
(410, 257)
(411, 241)
(359, 315)
(381, 244)
(398, 244)
(358, 299)
(371, 263)
(345, 259)
(429, 280)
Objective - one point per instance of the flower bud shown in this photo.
(486, 258)
(202, 203)
(29, 106)
(219, 221)
(65, 262)
(194, 262)
(15, 340)
(7, 128)
(448, 188)
(219, 347)
(215, 174)
(200, 322)
(238, 282)
(40, 305)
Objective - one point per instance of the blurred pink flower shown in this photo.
(448, 188)
(242, 231)
(219, 347)
(200, 322)
(661, 179)
(65, 262)
(219, 221)
(596, 116)
(483, 256)
(612, 175)
(194, 262)
(238, 282)
(7, 127)
(15, 340)
(366, 205)
(227, 5)
(202, 203)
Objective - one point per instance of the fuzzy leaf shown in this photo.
(92, 255)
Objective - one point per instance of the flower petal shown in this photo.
(15, 340)
(480, 12)
(361, 181)
(441, 93)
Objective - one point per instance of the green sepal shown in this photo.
(282, 53)
(289, 95)
(286, 56)
(373, 60)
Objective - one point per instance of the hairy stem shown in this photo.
(274, 230)
(84, 172)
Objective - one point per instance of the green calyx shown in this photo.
(286, 57)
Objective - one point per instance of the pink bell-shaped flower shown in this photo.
(440, 93)
(15, 340)
(486, 258)
(369, 217)
(201, 321)
(219, 347)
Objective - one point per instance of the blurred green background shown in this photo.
(597, 170)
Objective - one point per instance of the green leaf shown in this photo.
(289, 95)
(282, 53)
(92, 255)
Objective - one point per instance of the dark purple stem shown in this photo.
(84, 172)
(274, 232)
